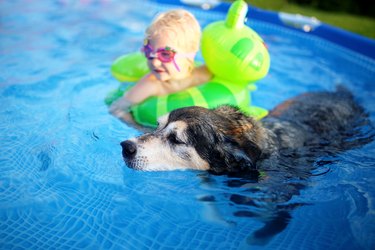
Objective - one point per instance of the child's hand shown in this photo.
(119, 107)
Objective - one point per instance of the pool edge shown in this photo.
(355, 42)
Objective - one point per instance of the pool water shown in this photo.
(63, 183)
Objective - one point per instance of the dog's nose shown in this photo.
(129, 149)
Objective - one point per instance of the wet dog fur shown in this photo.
(269, 160)
(226, 141)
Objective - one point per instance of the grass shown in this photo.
(361, 25)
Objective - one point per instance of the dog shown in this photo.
(227, 141)
(269, 160)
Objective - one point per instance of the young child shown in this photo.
(170, 45)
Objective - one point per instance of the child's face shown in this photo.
(164, 71)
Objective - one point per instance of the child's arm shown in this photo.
(144, 88)
(141, 91)
(200, 75)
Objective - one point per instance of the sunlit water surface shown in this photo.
(64, 185)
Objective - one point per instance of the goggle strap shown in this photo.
(175, 64)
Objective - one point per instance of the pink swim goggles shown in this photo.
(165, 55)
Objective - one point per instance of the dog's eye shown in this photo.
(172, 138)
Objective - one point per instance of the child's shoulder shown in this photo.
(150, 84)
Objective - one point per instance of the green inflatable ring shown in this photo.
(247, 51)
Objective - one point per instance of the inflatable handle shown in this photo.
(232, 50)
(236, 15)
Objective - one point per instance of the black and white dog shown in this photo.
(224, 140)
(270, 160)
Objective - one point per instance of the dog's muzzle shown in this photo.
(129, 149)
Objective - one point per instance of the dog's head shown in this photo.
(222, 140)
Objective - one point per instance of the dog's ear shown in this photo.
(228, 142)
(240, 123)
(241, 157)
(229, 111)
(241, 137)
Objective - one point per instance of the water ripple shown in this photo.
(63, 182)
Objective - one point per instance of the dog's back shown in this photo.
(318, 118)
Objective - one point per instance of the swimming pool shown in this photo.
(64, 185)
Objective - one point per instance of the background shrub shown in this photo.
(357, 7)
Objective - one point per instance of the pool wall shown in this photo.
(352, 41)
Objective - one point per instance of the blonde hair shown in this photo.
(182, 23)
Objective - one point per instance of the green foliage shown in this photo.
(362, 25)
(358, 7)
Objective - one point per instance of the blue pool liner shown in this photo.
(352, 41)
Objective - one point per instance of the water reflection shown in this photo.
(268, 195)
